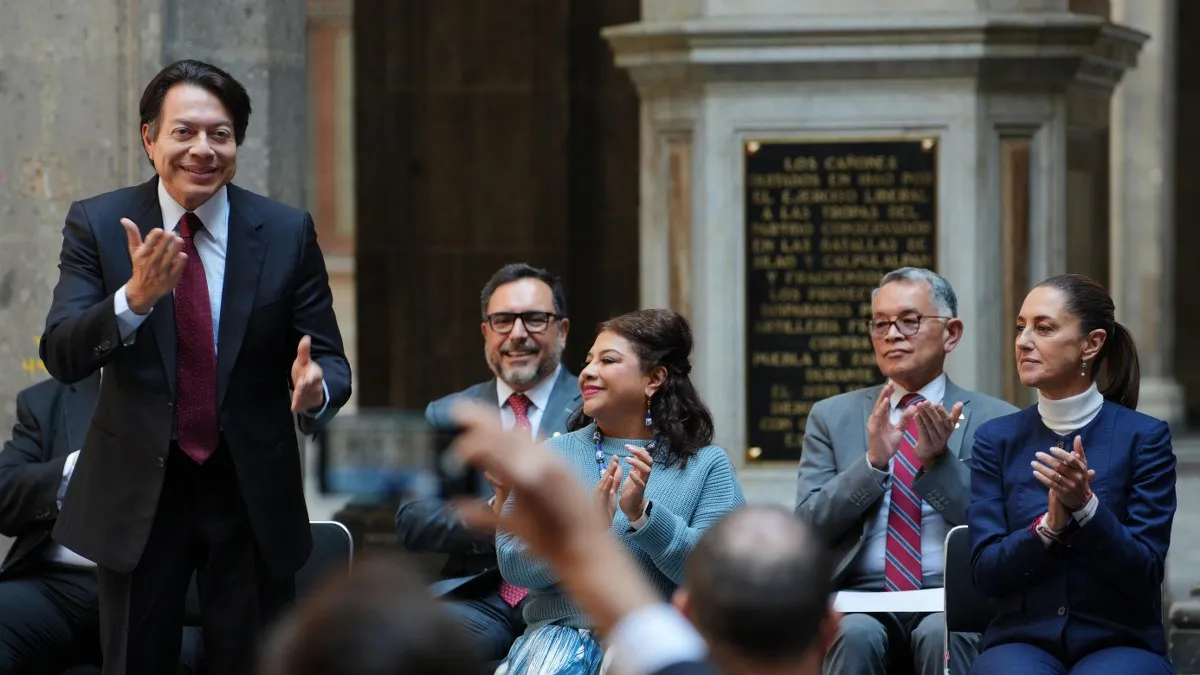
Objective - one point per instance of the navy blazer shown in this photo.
(276, 291)
(1101, 587)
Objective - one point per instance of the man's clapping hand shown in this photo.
(934, 426)
(158, 263)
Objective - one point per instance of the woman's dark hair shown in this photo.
(1093, 306)
(661, 337)
(208, 77)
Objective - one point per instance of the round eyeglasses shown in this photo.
(908, 325)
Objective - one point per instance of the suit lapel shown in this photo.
(162, 319)
(78, 403)
(870, 395)
(564, 398)
(243, 264)
(955, 394)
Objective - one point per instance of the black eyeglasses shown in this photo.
(534, 322)
(907, 325)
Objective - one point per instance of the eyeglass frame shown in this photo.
(551, 317)
(871, 327)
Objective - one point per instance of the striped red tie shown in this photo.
(520, 404)
(902, 564)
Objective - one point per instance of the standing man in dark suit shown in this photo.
(50, 618)
(209, 309)
(883, 475)
(524, 333)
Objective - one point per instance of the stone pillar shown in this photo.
(714, 74)
(1142, 204)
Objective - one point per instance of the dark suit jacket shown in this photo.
(837, 493)
(430, 526)
(52, 419)
(276, 291)
(1102, 588)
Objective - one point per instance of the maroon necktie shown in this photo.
(196, 358)
(902, 557)
(519, 403)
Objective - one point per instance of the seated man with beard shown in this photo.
(524, 332)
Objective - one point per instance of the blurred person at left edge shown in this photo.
(209, 309)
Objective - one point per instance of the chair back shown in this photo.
(967, 609)
(332, 552)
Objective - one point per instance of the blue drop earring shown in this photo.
(649, 419)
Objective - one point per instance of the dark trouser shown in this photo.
(867, 643)
(494, 624)
(1024, 659)
(201, 525)
(50, 621)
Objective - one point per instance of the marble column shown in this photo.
(713, 74)
(1142, 233)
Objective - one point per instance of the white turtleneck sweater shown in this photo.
(1064, 416)
(1069, 414)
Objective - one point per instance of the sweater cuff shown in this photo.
(656, 535)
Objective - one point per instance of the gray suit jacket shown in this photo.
(430, 525)
(838, 492)
(564, 400)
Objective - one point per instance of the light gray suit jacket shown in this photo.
(837, 492)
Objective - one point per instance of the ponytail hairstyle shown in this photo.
(660, 337)
(1093, 306)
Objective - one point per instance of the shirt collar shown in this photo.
(214, 213)
(539, 395)
(933, 392)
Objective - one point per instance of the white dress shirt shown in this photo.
(933, 526)
(539, 396)
(653, 638)
(211, 244)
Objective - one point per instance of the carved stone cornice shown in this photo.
(1026, 51)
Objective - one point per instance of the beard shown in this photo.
(523, 377)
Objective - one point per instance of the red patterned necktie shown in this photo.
(196, 359)
(902, 558)
(520, 404)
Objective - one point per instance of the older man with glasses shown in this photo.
(884, 497)
(524, 333)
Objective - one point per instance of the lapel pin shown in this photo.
(557, 434)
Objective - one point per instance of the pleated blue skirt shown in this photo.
(553, 650)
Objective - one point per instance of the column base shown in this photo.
(1162, 397)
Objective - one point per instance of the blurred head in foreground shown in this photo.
(758, 589)
(380, 620)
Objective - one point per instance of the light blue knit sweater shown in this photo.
(686, 503)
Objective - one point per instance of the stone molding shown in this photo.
(1043, 51)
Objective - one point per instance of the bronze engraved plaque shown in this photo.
(825, 220)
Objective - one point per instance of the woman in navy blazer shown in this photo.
(1072, 500)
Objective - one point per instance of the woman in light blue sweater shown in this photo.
(643, 441)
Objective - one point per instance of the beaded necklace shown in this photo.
(598, 439)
